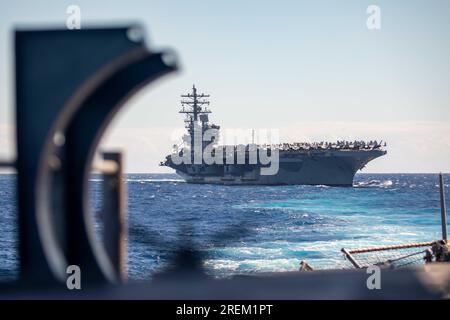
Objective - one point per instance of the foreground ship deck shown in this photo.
(332, 164)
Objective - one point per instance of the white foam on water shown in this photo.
(253, 265)
(250, 251)
(407, 234)
(374, 184)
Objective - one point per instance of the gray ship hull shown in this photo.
(317, 167)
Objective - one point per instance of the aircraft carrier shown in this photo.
(319, 163)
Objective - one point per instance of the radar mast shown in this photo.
(194, 106)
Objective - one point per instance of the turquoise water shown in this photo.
(248, 229)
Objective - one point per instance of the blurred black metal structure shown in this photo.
(114, 215)
(69, 85)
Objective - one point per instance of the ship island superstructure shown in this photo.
(317, 163)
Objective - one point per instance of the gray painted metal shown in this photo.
(332, 168)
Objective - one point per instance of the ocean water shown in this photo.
(251, 229)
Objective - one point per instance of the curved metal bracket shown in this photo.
(69, 86)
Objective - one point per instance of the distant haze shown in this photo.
(311, 69)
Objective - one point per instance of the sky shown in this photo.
(310, 69)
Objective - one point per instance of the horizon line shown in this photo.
(437, 172)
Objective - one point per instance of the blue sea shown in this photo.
(252, 229)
